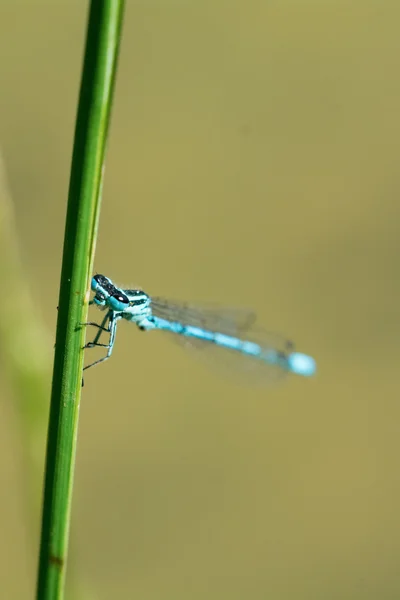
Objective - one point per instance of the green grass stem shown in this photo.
(96, 91)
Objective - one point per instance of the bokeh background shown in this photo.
(253, 161)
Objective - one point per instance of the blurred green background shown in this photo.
(253, 161)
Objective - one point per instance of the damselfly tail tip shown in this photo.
(301, 364)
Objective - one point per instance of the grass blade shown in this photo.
(102, 44)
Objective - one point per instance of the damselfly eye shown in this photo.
(101, 280)
(120, 298)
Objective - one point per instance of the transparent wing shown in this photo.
(238, 323)
(231, 321)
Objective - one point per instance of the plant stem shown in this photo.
(100, 61)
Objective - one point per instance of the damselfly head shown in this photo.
(103, 289)
(118, 301)
(102, 284)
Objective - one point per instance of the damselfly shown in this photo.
(232, 331)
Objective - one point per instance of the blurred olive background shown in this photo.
(253, 161)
